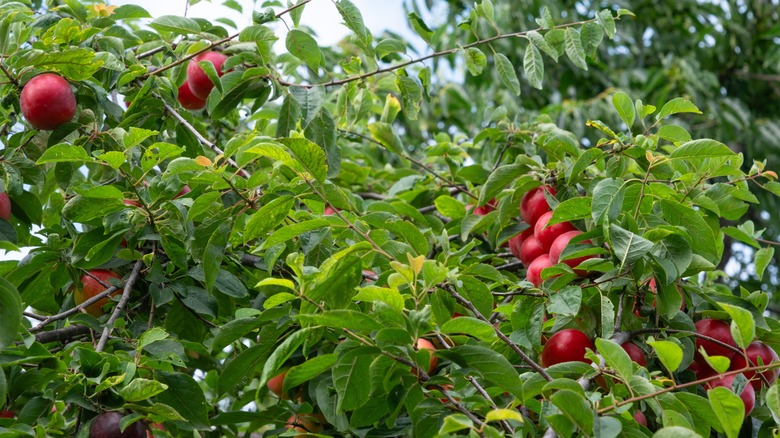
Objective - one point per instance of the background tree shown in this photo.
(237, 239)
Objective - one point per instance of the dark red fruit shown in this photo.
(534, 271)
(640, 418)
(635, 353)
(199, 82)
(106, 425)
(546, 235)
(485, 209)
(47, 101)
(7, 414)
(188, 100)
(568, 345)
(132, 202)
(5, 206)
(530, 250)
(560, 244)
(754, 351)
(534, 205)
(184, 190)
(748, 395)
(715, 329)
(516, 242)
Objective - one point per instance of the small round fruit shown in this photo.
(534, 205)
(635, 353)
(7, 414)
(545, 234)
(534, 271)
(640, 418)
(5, 206)
(47, 101)
(560, 244)
(329, 211)
(199, 82)
(568, 345)
(754, 351)
(92, 287)
(276, 383)
(715, 329)
(530, 250)
(485, 209)
(748, 395)
(106, 425)
(426, 344)
(306, 423)
(188, 100)
(184, 190)
(516, 243)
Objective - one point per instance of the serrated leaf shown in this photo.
(487, 364)
(574, 49)
(627, 246)
(470, 326)
(674, 133)
(607, 22)
(64, 153)
(701, 148)
(175, 24)
(607, 199)
(534, 66)
(309, 155)
(268, 217)
(141, 389)
(353, 19)
(421, 28)
(571, 209)
(411, 95)
(351, 378)
(616, 357)
(506, 71)
(729, 409)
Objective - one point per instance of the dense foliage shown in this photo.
(234, 240)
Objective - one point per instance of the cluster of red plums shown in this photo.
(196, 88)
(540, 245)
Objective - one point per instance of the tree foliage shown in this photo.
(339, 214)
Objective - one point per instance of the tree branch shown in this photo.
(77, 309)
(62, 334)
(121, 305)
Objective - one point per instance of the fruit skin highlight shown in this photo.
(199, 82)
(533, 204)
(47, 101)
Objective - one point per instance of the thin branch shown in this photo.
(77, 309)
(63, 334)
(8, 74)
(121, 305)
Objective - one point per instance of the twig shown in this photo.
(77, 309)
(121, 305)
(512, 266)
(62, 334)
(9, 75)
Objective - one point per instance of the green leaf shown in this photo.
(625, 108)
(616, 357)
(421, 28)
(762, 259)
(534, 66)
(607, 22)
(282, 353)
(83, 209)
(676, 432)
(538, 40)
(185, 395)
(627, 246)
(743, 328)
(243, 365)
(486, 364)
(291, 231)
(729, 409)
(10, 313)
(476, 61)
(141, 389)
(152, 335)
(699, 230)
(674, 133)
(389, 296)
(675, 106)
(343, 318)
(215, 251)
(772, 399)
(470, 326)
(607, 199)
(506, 71)
(308, 370)
(574, 49)
(384, 134)
(574, 407)
(268, 217)
(232, 331)
(669, 353)
(388, 46)
(175, 24)
(354, 21)
(449, 207)
(411, 95)
(351, 378)
(571, 209)
(701, 148)
(454, 423)
(64, 153)
(499, 179)
(309, 155)
(76, 64)
(301, 45)
(567, 301)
